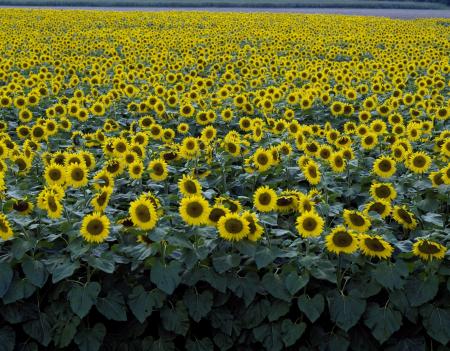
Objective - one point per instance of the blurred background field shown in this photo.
(289, 4)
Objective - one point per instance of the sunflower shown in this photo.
(135, 169)
(101, 199)
(53, 205)
(312, 172)
(384, 167)
(286, 202)
(216, 212)
(418, 162)
(233, 227)
(55, 174)
(158, 170)
(369, 141)
(375, 246)
(189, 186)
(255, 229)
(383, 191)
(76, 175)
(436, 178)
(337, 162)
(309, 224)
(194, 210)
(95, 228)
(446, 175)
(103, 179)
(427, 250)
(356, 220)
(445, 148)
(341, 240)
(5, 228)
(383, 208)
(265, 199)
(233, 205)
(114, 167)
(143, 214)
(23, 207)
(402, 216)
(263, 159)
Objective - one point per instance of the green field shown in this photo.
(385, 4)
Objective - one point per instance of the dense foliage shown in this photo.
(223, 181)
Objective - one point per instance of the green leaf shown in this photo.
(294, 282)
(82, 298)
(112, 306)
(291, 332)
(7, 338)
(383, 322)
(263, 257)
(35, 271)
(419, 291)
(313, 308)
(204, 344)
(39, 329)
(19, 289)
(222, 320)
(390, 275)
(142, 302)
(162, 344)
(437, 323)
(223, 342)
(64, 270)
(104, 263)
(65, 331)
(198, 305)
(345, 311)
(433, 218)
(324, 270)
(90, 339)
(175, 319)
(255, 314)
(166, 277)
(6, 276)
(269, 336)
(278, 309)
(274, 285)
(225, 262)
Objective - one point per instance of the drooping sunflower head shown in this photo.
(375, 246)
(404, 217)
(428, 250)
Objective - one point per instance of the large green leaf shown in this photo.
(19, 289)
(225, 262)
(312, 307)
(90, 339)
(166, 277)
(35, 271)
(112, 306)
(291, 332)
(270, 336)
(63, 270)
(263, 257)
(420, 291)
(382, 321)
(390, 275)
(7, 338)
(175, 319)
(82, 298)
(39, 329)
(198, 304)
(142, 302)
(436, 322)
(204, 344)
(294, 282)
(255, 313)
(65, 330)
(345, 311)
(6, 276)
(275, 286)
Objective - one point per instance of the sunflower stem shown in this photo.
(338, 273)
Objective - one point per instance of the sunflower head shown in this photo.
(95, 228)
(309, 224)
(428, 250)
(375, 246)
(341, 240)
(233, 227)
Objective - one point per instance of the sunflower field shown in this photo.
(219, 181)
